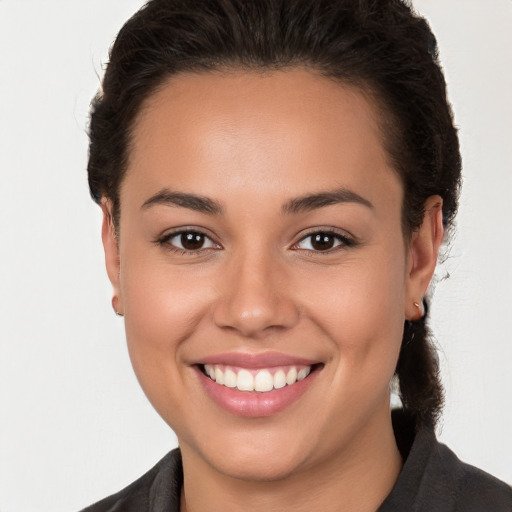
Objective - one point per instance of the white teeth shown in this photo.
(256, 380)
(210, 371)
(303, 373)
(229, 379)
(245, 381)
(263, 381)
(279, 379)
(291, 376)
(219, 376)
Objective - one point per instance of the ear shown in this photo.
(422, 256)
(111, 248)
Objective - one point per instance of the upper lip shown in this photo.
(255, 361)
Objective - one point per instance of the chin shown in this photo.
(260, 468)
(253, 456)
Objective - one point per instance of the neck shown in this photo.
(357, 478)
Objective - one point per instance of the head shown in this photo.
(375, 56)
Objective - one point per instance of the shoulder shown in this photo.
(434, 479)
(475, 490)
(157, 490)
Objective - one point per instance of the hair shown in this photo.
(380, 46)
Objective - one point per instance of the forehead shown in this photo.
(285, 132)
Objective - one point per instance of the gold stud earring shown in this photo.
(419, 307)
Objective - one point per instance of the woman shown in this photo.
(276, 179)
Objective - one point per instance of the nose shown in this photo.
(255, 297)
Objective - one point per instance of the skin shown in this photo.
(252, 143)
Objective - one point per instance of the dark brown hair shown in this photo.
(381, 46)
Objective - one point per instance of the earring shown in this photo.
(114, 303)
(419, 306)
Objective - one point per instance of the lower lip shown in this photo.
(254, 404)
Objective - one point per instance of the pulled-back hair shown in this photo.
(380, 46)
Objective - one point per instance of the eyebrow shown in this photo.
(198, 203)
(322, 199)
(305, 203)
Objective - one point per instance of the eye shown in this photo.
(189, 241)
(323, 241)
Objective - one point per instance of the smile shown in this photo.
(261, 380)
(256, 385)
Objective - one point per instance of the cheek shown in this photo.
(158, 298)
(364, 293)
(363, 315)
(163, 307)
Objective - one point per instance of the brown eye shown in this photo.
(189, 241)
(323, 241)
(192, 241)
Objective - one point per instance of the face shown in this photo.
(260, 246)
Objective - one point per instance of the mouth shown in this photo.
(256, 386)
(261, 380)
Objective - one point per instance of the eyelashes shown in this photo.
(324, 242)
(188, 242)
(192, 242)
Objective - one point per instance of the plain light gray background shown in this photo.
(74, 425)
